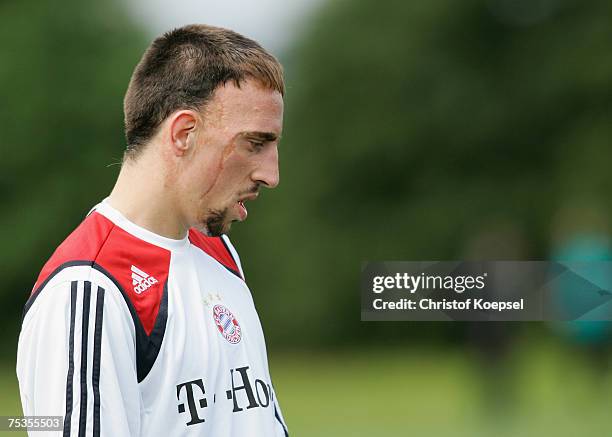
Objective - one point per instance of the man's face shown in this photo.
(234, 153)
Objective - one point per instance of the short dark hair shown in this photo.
(182, 68)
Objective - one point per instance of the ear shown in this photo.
(182, 130)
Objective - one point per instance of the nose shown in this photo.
(267, 172)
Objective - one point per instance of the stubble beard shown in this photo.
(216, 223)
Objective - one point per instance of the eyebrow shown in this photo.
(263, 136)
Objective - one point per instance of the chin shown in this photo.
(216, 223)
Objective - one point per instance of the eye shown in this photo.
(256, 145)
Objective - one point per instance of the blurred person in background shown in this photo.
(581, 238)
(141, 322)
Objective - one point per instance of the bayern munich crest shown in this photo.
(227, 324)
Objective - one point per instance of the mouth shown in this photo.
(241, 208)
(242, 211)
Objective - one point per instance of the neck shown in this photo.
(142, 196)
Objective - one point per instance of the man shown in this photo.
(141, 322)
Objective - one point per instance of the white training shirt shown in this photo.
(128, 333)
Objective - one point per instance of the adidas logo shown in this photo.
(141, 281)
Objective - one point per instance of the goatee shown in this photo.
(215, 222)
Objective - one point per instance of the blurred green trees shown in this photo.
(63, 72)
(414, 130)
(427, 130)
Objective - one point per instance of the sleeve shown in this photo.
(76, 359)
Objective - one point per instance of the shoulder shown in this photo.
(104, 255)
(99, 251)
(219, 248)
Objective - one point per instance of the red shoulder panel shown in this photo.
(139, 267)
(83, 243)
(215, 247)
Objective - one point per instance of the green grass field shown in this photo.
(540, 391)
(9, 397)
